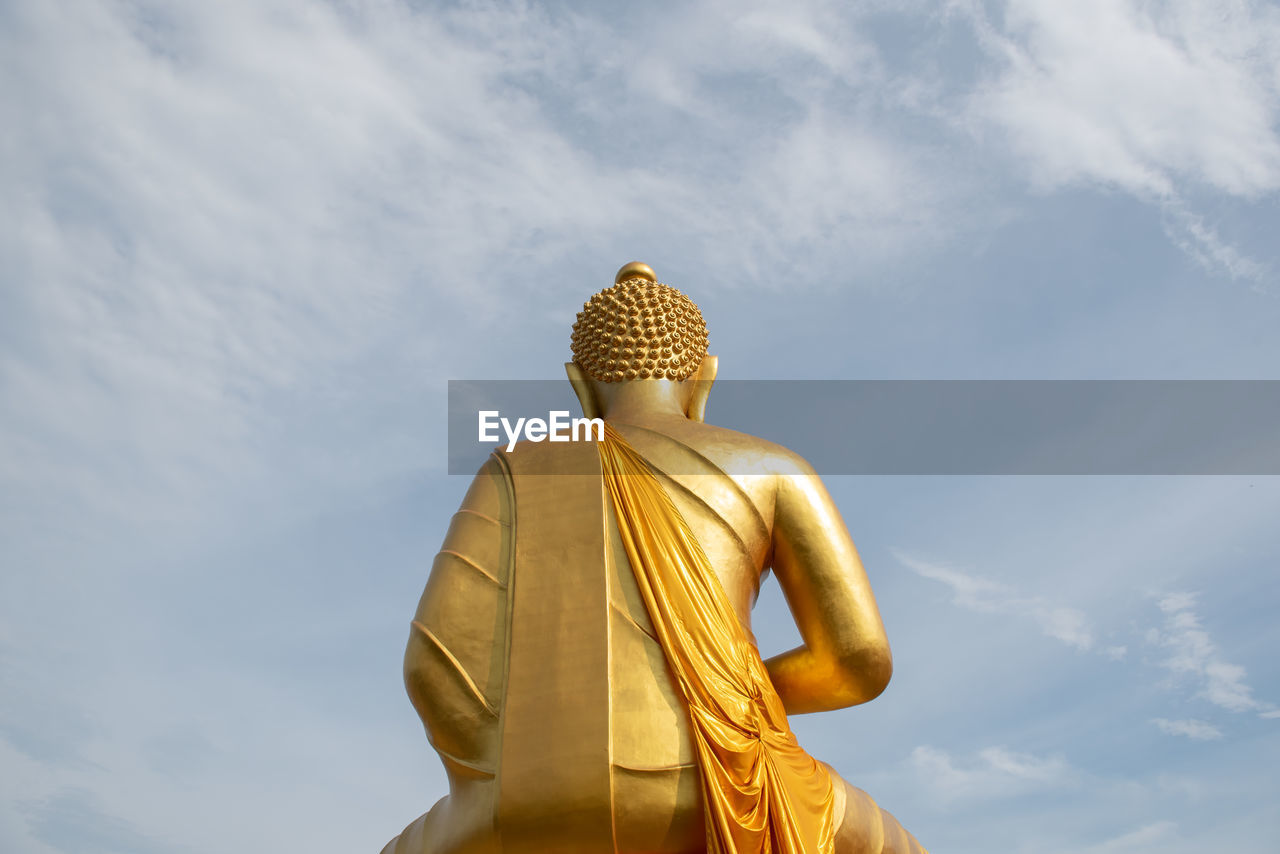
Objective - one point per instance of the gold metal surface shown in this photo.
(635, 270)
(639, 329)
(576, 703)
(554, 768)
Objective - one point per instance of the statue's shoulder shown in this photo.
(732, 451)
(775, 459)
(488, 494)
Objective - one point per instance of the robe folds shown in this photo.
(762, 792)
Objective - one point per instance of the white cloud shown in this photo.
(1200, 240)
(230, 217)
(993, 772)
(1141, 96)
(1069, 625)
(1194, 655)
(1146, 838)
(1024, 766)
(1162, 100)
(1191, 728)
(803, 167)
(828, 179)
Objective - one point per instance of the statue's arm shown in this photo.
(450, 667)
(845, 657)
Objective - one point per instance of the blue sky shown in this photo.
(247, 243)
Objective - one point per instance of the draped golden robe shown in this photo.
(579, 711)
(761, 791)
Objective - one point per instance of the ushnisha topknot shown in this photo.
(639, 329)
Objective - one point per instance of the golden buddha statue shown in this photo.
(582, 658)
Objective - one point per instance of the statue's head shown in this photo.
(640, 331)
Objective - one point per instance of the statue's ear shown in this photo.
(702, 380)
(582, 388)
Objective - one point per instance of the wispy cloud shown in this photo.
(1135, 96)
(993, 772)
(1201, 241)
(1146, 838)
(230, 218)
(71, 820)
(1160, 100)
(1064, 623)
(1191, 728)
(1194, 656)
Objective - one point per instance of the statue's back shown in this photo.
(540, 735)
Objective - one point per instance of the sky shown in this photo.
(244, 246)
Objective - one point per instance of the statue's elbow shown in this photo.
(417, 675)
(878, 674)
(866, 673)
